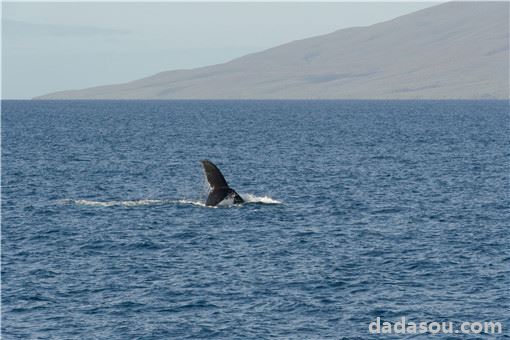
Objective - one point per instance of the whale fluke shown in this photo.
(219, 187)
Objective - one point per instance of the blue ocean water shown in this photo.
(357, 210)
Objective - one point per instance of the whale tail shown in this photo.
(219, 187)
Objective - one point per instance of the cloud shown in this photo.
(22, 28)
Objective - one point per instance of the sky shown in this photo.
(49, 47)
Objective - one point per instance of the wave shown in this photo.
(249, 198)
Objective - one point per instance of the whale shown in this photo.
(219, 186)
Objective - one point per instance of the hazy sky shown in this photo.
(49, 47)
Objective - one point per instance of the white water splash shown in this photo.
(192, 202)
(130, 203)
(249, 198)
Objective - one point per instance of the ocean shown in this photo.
(355, 210)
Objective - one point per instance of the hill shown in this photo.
(456, 50)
